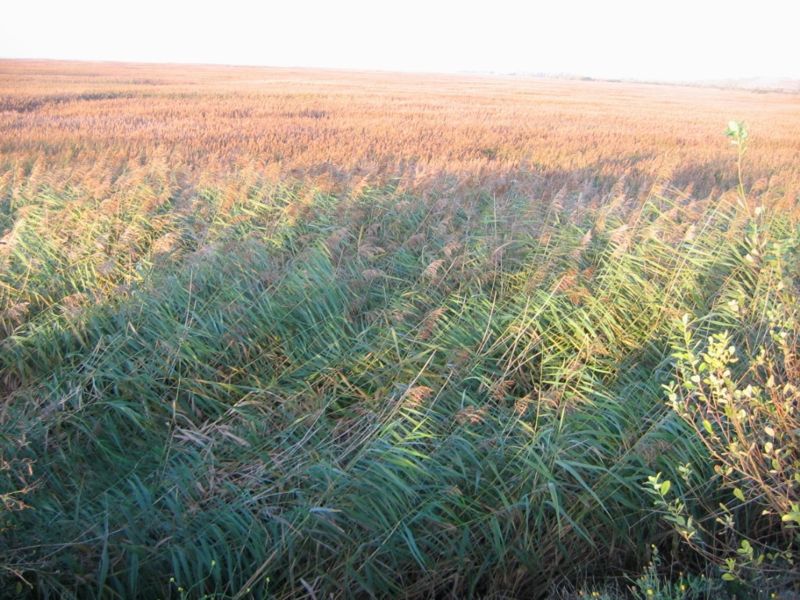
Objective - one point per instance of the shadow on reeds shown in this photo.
(368, 395)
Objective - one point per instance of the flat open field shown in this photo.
(92, 123)
(302, 333)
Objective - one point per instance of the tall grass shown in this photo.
(405, 339)
(379, 394)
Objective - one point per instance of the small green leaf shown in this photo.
(791, 516)
(739, 494)
(664, 489)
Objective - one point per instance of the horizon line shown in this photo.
(713, 82)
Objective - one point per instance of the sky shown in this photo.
(646, 39)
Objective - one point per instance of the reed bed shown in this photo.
(387, 363)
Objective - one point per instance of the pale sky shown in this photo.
(644, 39)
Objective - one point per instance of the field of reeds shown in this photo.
(282, 333)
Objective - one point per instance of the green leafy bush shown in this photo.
(736, 387)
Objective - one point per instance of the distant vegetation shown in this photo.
(285, 334)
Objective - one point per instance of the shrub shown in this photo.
(737, 388)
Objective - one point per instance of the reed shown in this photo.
(225, 380)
